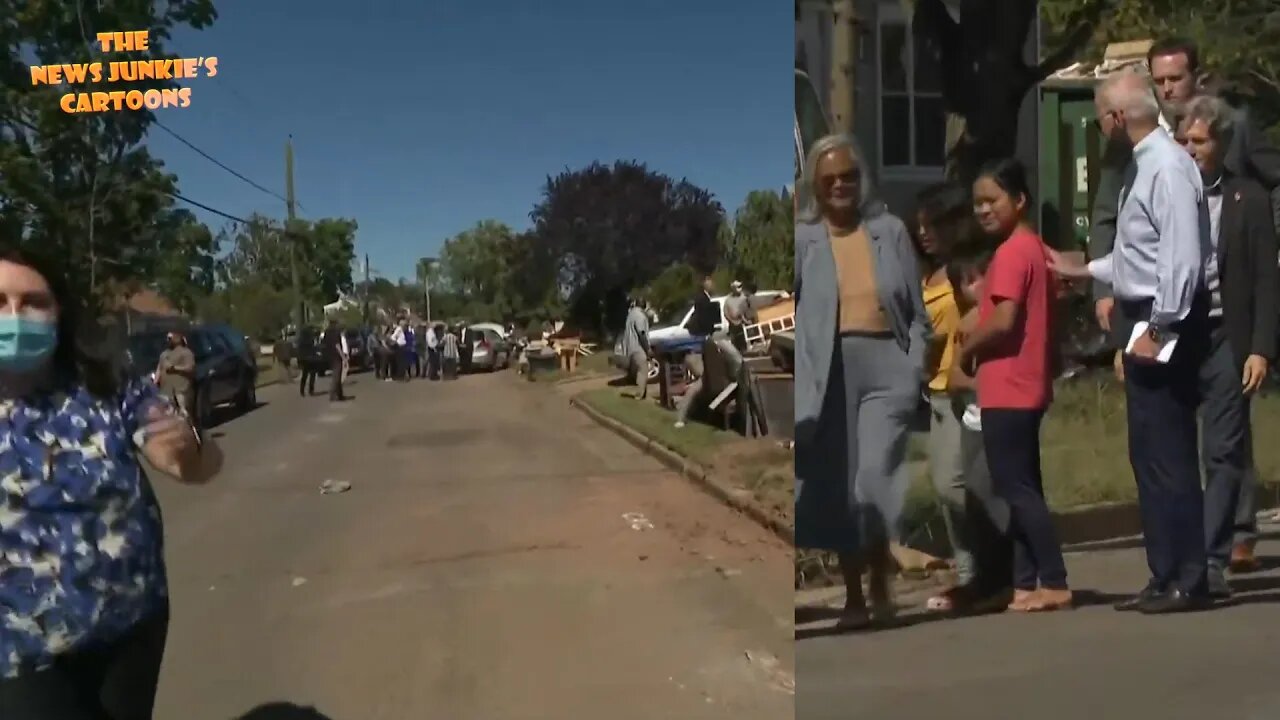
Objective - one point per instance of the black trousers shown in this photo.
(1011, 438)
(1161, 401)
(433, 363)
(1226, 447)
(738, 336)
(988, 518)
(115, 681)
(335, 378)
(307, 381)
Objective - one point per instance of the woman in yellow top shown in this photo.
(942, 223)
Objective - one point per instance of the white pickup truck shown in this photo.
(678, 331)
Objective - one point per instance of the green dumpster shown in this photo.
(1071, 149)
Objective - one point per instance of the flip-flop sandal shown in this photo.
(1022, 603)
(1041, 606)
(948, 601)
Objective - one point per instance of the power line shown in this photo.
(219, 163)
(227, 215)
(202, 206)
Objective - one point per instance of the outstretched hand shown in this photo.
(1066, 266)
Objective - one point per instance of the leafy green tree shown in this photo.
(83, 188)
(185, 273)
(985, 76)
(259, 253)
(762, 249)
(253, 307)
(1239, 41)
(474, 264)
(606, 229)
(327, 250)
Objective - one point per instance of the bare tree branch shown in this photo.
(1085, 22)
(1268, 80)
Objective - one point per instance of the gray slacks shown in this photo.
(1226, 449)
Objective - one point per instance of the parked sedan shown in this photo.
(358, 349)
(226, 370)
(490, 351)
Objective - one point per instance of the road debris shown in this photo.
(299, 581)
(772, 668)
(637, 521)
(333, 487)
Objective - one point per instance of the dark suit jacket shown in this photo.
(706, 316)
(1248, 275)
(1248, 155)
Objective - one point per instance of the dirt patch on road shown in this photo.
(763, 467)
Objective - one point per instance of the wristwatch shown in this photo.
(1156, 334)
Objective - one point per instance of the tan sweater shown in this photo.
(860, 309)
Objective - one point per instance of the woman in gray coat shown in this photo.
(861, 336)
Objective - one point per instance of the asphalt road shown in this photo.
(480, 567)
(1092, 662)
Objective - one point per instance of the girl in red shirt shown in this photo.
(1012, 350)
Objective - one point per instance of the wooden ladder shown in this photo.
(756, 334)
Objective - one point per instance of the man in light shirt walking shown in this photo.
(1156, 274)
(738, 313)
(635, 346)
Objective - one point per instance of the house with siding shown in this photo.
(898, 113)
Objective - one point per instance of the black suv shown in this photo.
(226, 370)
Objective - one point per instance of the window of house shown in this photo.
(913, 126)
(811, 119)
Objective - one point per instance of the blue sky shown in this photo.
(420, 117)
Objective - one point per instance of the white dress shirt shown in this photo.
(1162, 231)
(1212, 275)
(397, 336)
(342, 338)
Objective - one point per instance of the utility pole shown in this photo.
(366, 288)
(426, 264)
(844, 64)
(299, 312)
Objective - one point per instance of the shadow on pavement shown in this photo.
(1254, 583)
(808, 614)
(283, 711)
(1262, 598)
(226, 413)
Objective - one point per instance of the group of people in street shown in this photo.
(397, 352)
(404, 351)
(956, 310)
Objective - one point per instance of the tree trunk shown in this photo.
(844, 59)
(985, 76)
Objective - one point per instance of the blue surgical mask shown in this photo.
(25, 343)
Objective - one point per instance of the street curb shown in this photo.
(1104, 522)
(692, 471)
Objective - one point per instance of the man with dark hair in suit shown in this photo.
(706, 315)
(309, 361)
(1242, 278)
(1175, 70)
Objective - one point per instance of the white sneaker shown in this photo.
(679, 424)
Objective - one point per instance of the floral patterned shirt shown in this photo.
(81, 541)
